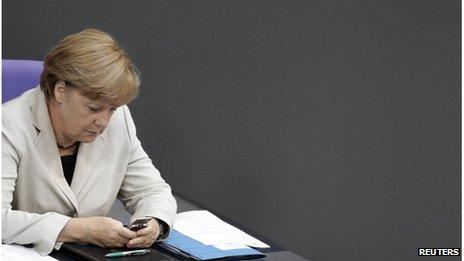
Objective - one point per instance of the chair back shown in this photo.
(19, 76)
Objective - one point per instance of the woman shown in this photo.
(70, 148)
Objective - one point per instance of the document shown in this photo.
(21, 253)
(208, 229)
(186, 248)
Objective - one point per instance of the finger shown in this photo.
(116, 244)
(144, 232)
(126, 233)
(115, 241)
(122, 242)
(136, 242)
(147, 230)
(152, 227)
(145, 241)
(119, 240)
(149, 242)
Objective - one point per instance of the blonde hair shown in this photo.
(93, 62)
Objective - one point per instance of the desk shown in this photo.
(276, 252)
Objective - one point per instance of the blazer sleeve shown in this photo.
(143, 191)
(22, 227)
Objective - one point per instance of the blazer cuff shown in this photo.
(165, 229)
(52, 228)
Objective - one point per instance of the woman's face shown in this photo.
(81, 118)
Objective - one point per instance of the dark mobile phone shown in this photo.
(139, 223)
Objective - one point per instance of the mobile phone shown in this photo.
(139, 223)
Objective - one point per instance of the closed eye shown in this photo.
(95, 109)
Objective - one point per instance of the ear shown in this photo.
(59, 91)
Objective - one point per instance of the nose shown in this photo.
(103, 119)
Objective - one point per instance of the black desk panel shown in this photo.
(275, 252)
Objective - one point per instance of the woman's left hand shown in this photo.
(146, 236)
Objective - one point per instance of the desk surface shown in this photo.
(118, 212)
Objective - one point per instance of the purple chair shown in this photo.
(19, 76)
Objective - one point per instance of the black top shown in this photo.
(69, 163)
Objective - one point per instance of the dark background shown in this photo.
(331, 127)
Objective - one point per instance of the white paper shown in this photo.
(229, 246)
(21, 253)
(208, 229)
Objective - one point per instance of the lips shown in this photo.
(94, 132)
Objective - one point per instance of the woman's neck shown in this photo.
(68, 151)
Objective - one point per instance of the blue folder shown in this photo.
(184, 247)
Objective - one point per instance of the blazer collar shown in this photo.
(38, 105)
(87, 156)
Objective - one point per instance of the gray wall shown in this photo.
(331, 127)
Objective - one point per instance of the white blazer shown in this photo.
(36, 199)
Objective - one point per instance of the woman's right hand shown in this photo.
(101, 231)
